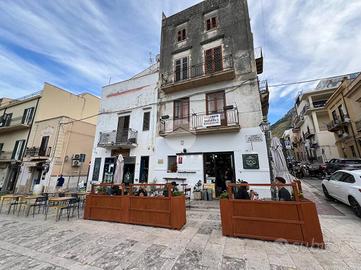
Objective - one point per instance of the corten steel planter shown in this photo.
(166, 212)
(285, 221)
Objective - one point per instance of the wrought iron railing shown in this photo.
(5, 155)
(120, 137)
(37, 152)
(319, 104)
(198, 70)
(196, 121)
(14, 121)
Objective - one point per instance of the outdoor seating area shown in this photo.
(270, 218)
(35, 204)
(159, 205)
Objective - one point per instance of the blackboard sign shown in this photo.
(250, 161)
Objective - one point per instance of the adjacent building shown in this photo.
(127, 125)
(41, 128)
(312, 139)
(344, 109)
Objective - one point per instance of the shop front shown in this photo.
(219, 169)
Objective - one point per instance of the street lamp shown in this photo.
(265, 127)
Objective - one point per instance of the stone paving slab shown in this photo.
(33, 243)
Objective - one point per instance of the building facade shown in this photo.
(314, 142)
(344, 109)
(209, 99)
(21, 127)
(127, 126)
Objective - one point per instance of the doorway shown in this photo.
(219, 168)
(144, 169)
(123, 129)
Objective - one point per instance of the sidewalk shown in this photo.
(27, 243)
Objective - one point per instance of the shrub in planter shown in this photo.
(101, 190)
(178, 193)
(223, 195)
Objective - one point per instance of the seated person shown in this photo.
(283, 193)
(242, 192)
(174, 188)
(141, 192)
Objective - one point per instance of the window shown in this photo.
(181, 113)
(181, 69)
(336, 176)
(334, 116)
(342, 115)
(347, 178)
(27, 116)
(1, 147)
(172, 163)
(213, 60)
(146, 120)
(43, 146)
(6, 119)
(181, 35)
(18, 149)
(211, 23)
(96, 169)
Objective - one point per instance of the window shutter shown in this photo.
(24, 116)
(185, 68)
(177, 70)
(208, 24)
(214, 22)
(183, 34)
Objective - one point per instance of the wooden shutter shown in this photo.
(177, 70)
(185, 68)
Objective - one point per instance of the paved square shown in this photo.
(33, 243)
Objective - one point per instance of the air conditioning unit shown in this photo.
(76, 156)
(75, 163)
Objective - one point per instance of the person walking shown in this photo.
(59, 182)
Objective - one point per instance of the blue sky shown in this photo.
(81, 45)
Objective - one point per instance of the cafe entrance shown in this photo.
(219, 168)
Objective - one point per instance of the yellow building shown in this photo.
(20, 122)
(344, 108)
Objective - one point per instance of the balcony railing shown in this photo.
(334, 125)
(309, 134)
(213, 70)
(37, 152)
(5, 155)
(319, 104)
(126, 138)
(14, 123)
(358, 125)
(202, 123)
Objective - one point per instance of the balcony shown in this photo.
(309, 134)
(259, 60)
(334, 125)
(13, 124)
(298, 121)
(198, 123)
(125, 139)
(199, 75)
(37, 153)
(358, 125)
(264, 95)
(5, 156)
(319, 104)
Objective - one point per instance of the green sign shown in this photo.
(250, 161)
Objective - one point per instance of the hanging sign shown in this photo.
(212, 120)
(250, 161)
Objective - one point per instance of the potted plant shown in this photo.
(197, 191)
(101, 190)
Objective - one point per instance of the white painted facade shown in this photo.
(132, 97)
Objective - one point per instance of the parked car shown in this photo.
(345, 186)
(336, 164)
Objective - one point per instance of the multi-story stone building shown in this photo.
(209, 99)
(344, 108)
(314, 141)
(35, 126)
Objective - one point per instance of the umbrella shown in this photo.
(118, 174)
(279, 162)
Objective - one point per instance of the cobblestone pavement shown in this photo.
(33, 243)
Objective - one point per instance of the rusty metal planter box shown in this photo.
(167, 212)
(293, 221)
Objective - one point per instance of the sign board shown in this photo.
(250, 161)
(254, 138)
(212, 120)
